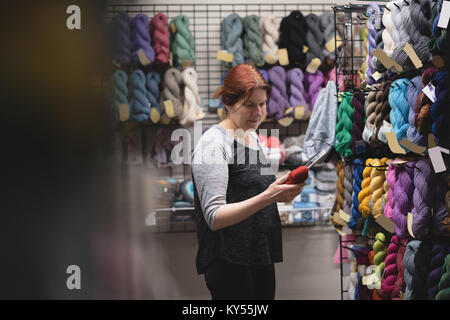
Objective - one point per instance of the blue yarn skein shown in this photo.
(139, 101)
(414, 90)
(231, 30)
(121, 34)
(119, 90)
(265, 74)
(140, 38)
(152, 84)
(439, 110)
(398, 100)
(358, 167)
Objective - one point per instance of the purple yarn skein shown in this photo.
(121, 34)
(438, 254)
(403, 192)
(140, 37)
(313, 84)
(296, 89)
(278, 100)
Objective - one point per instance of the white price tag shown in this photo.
(445, 15)
(429, 90)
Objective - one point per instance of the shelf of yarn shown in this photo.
(309, 215)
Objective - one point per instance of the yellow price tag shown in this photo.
(283, 57)
(313, 65)
(143, 59)
(222, 55)
(124, 112)
(169, 109)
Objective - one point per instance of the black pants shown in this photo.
(230, 281)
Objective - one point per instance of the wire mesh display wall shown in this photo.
(205, 20)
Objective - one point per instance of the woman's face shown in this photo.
(249, 115)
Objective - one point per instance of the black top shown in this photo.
(254, 241)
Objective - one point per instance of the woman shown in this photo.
(238, 224)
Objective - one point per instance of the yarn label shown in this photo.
(376, 75)
(270, 59)
(385, 223)
(393, 143)
(386, 127)
(387, 61)
(437, 161)
(369, 130)
(222, 55)
(172, 28)
(412, 146)
(429, 90)
(445, 15)
(337, 219)
(114, 62)
(331, 45)
(124, 112)
(409, 223)
(143, 59)
(186, 63)
(283, 57)
(313, 65)
(412, 55)
(344, 216)
(169, 109)
(305, 49)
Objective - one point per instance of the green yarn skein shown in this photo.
(380, 250)
(182, 42)
(252, 40)
(344, 126)
(444, 283)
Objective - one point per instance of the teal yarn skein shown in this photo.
(153, 80)
(119, 90)
(398, 100)
(140, 110)
(231, 30)
(182, 42)
(252, 40)
(344, 126)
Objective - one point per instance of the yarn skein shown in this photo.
(400, 35)
(370, 117)
(416, 262)
(440, 211)
(182, 42)
(252, 40)
(388, 41)
(152, 84)
(278, 100)
(419, 27)
(293, 29)
(377, 179)
(439, 110)
(314, 38)
(398, 101)
(328, 30)
(391, 271)
(422, 198)
(171, 91)
(414, 90)
(358, 119)
(121, 33)
(313, 84)
(340, 198)
(403, 193)
(140, 110)
(382, 110)
(119, 90)
(344, 126)
(348, 187)
(364, 195)
(399, 285)
(231, 30)
(422, 119)
(268, 27)
(140, 38)
(294, 79)
(390, 203)
(380, 250)
(161, 38)
(372, 11)
(438, 36)
(191, 107)
(358, 167)
(438, 254)
(444, 283)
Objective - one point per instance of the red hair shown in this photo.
(240, 82)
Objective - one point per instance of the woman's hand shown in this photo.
(281, 192)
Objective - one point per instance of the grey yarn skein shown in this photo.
(172, 90)
(314, 38)
(401, 35)
(327, 28)
(348, 187)
(419, 27)
(416, 262)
